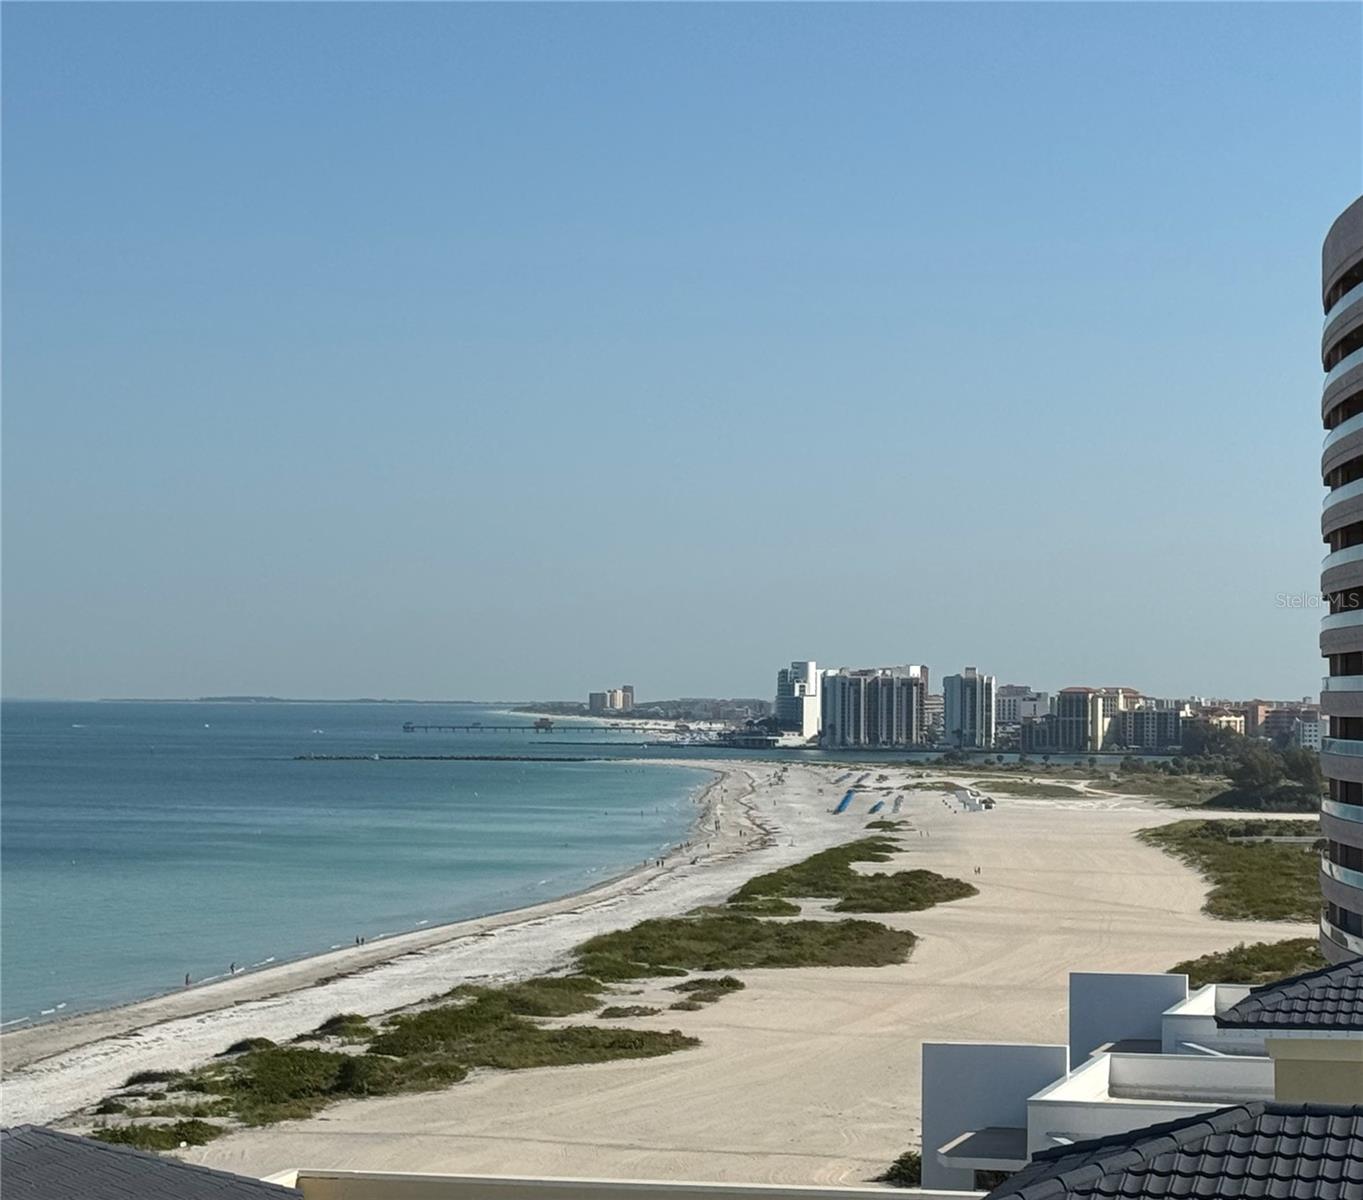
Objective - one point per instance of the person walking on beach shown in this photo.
(186, 979)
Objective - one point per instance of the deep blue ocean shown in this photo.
(140, 842)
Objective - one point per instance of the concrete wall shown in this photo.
(971, 1085)
(378, 1185)
(1110, 1007)
(1317, 1070)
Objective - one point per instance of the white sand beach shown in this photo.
(809, 1075)
(52, 1069)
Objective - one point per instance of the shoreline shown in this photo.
(55, 1068)
(351, 959)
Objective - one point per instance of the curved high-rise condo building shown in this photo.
(1341, 581)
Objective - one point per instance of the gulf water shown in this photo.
(143, 842)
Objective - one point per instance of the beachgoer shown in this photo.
(186, 979)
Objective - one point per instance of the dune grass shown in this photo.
(1028, 789)
(736, 941)
(160, 1137)
(829, 874)
(348, 1027)
(905, 1172)
(1256, 963)
(614, 1012)
(762, 906)
(253, 1043)
(1178, 789)
(542, 996)
(1250, 881)
(706, 989)
(138, 1078)
(256, 1082)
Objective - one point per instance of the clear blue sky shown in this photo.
(492, 351)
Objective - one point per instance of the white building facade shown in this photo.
(799, 699)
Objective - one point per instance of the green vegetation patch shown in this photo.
(830, 874)
(137, 1078)
(887, 826)
(614, 1012)
(258, 1082)
(247, 1044)
(1285, 798)
(905, 1172)
(487, 1028)
(350, 1026)
(686, 1005)
(1260, 962)
(160, 1137)
(707, 989)
(613, 967)
(737, 941)
(763, 906)
(1251, 881)
(1186, 789)
(221, 1107)
(709, 983)
(543, 996)
(1028, 789)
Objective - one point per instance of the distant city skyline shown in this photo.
(479, 351)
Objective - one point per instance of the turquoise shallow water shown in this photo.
(143, 841)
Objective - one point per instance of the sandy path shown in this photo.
(53, 1069)
(812, 1076)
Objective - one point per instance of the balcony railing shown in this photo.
(1342, 620)
(1349, 941)
(1345, 812)
(1344, 366)
(1347, 491)
(1342, 683)
(1342, 307)
(1341, 746)
(1343, 429)
(1343, 874)
(1340, 558)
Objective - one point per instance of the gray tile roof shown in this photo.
(42, 1164)
(1330, 998)
(1268, 1150)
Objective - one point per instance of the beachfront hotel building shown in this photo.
(799, 703)
(968, 710)
(874, 706)
(1015, 703)
(1341, 582)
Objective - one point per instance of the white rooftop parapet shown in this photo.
(1114, 1093)
(319, 1184)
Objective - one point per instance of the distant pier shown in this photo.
(540, 726)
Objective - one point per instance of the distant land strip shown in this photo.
(281, 700)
